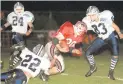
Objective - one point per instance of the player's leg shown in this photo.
(16, 39)
(15, 76)
(59, 62)
(58, 67)
(6, 75)
(114, 58)
(14, 59)
(95, 46)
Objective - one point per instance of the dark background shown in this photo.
(49, 15)
(62, 11)
(64, 5)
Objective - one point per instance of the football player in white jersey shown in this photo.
(102, 24)
(21, 22)
(31, 65)
(57, 60)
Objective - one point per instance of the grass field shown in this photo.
(76, 69)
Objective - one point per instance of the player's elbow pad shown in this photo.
(55, 41)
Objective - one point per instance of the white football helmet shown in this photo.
(39, 50)
(80, 27)
(18, 8)
(92, 10)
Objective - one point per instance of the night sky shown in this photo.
(64, 5)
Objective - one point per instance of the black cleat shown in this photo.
(43, 76)
(93, 69)
(111, 74)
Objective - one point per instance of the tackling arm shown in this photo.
(57, 41)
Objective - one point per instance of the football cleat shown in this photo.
(93, 69)
(111, 74)
(43, 76)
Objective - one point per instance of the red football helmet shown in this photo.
(80, 28)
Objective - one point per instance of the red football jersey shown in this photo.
(67, 31)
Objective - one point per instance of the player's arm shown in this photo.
(56, 54)
(53, 62)
(117, 29)
(57, 41)
(31, 27)
(62, 49)
(5, 26)
(30, 21)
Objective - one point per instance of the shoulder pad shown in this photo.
(106, 14)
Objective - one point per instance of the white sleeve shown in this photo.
(9, 18)
(108, 15)
(30, 16)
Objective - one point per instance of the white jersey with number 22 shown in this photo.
(32, 63)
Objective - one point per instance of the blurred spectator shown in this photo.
(3, 19)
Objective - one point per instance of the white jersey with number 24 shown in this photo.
(20, 23)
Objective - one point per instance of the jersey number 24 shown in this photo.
(17, 20)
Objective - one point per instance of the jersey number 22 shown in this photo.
(32, 66)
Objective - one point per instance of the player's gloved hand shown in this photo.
(28, 32)
(121, 36)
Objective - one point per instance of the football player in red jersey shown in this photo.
(72, 34)
(64, 41)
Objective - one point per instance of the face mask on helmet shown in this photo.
(92, 10)
(39, 50)
(18, 8)
(80, 28)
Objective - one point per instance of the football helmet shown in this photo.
(92, 10)
(80, 27)
(18, 8)
(39, 50)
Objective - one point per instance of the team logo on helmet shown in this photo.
(92, 10)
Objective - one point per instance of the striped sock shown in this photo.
(91, 59)
(113, 62)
